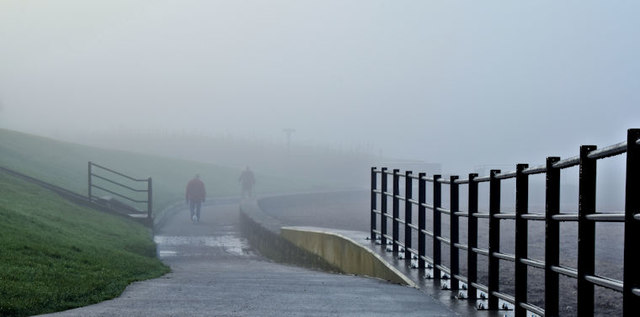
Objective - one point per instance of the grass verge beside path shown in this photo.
(55, 255)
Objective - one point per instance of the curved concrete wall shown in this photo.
(344, 253)
(263, 233)
(319, 248)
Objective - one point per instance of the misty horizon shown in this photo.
(463, 84)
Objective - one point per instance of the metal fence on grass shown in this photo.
(114, 180)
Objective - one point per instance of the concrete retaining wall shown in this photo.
(344, 253)
(316, 248)
(263, 233)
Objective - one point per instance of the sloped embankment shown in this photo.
(56, 255)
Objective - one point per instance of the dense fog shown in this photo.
(469, 85)
(310, 94)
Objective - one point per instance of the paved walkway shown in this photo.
(349, 211)
(429, 286)
(216, 273)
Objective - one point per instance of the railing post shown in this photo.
(453, 233)
(422, 225)
(521, 236)
(408, 217)
(150, 199)
(494, 239)
(472, 238)
(374, 180)
(586, 230)
(396, 210)
(383, 207)
(631, 302)
(552, 239)
(89, 181)
(437, 229)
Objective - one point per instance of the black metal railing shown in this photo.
(110, 178)
(586, 219)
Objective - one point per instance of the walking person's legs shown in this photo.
(198, 206)
(192, 206)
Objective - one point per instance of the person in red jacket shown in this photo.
(195, 196)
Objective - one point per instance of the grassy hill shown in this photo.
(56, 255)
(65, 164)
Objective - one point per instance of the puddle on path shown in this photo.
(169, 246)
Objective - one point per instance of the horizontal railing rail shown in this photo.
(385, 185)
(106, 175)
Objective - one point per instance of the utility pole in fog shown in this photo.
(288, 132)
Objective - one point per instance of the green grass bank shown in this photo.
(65, 164)
(56, 255)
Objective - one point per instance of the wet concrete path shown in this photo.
(216, 273)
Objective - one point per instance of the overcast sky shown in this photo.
(458, 82)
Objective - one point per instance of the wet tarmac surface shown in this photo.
(216, 273)
(351, 210)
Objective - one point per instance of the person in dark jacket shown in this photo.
(195, 196)
(247, 180)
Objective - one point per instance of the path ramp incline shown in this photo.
(215, 272)
(349, 250)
